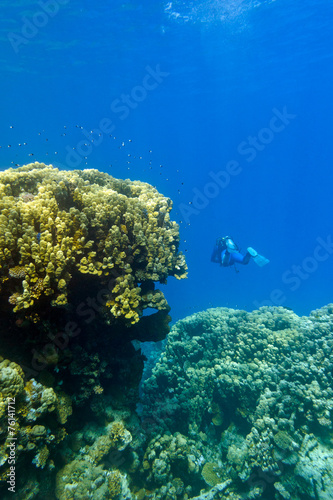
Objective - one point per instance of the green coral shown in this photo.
(284, 441)
(212, 474)
(11, 379)
(55, 223)
(264, 378)
(257, 360)
(171, 459)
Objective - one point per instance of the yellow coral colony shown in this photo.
(54, 223)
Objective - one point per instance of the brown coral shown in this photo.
(17, 272)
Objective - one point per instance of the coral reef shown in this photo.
(92, 473)
(31, 420)
(80, 480)
(238, 405)
(58, 224)
(88, 369)
(258, 385)
(79, 255)
(168, 458)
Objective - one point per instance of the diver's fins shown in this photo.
(258, 259)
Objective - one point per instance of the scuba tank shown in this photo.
(230, 245)
(226, 243)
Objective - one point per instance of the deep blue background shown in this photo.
(229, 64)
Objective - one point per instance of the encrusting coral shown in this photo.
(31, 417)
(56, 223)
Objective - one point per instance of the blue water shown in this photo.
(203, 80)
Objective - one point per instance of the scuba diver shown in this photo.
(227, 253)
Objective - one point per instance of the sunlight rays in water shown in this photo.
(210, 11)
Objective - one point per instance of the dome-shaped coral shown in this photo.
(11, 379)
